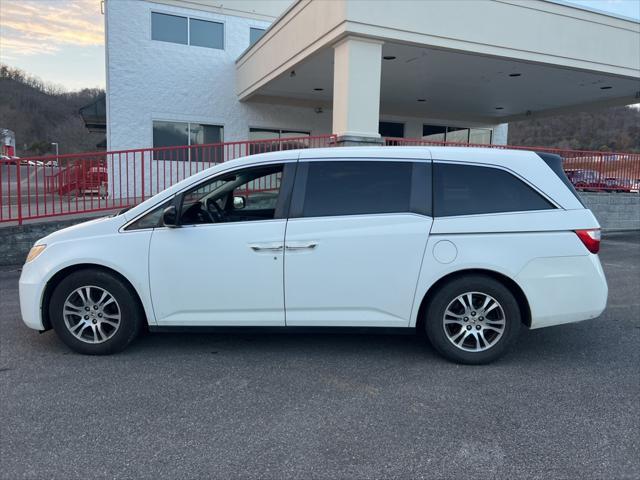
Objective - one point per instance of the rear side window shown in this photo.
(469, 190)
(360, 187)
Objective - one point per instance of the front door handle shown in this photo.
(301, 245)
(266, 247)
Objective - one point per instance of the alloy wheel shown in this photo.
(91, 314)
(474, 321)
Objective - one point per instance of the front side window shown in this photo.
(357, 187)
(471, 190)
(246, 195)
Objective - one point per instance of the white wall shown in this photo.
(151, 80)
(148, 79)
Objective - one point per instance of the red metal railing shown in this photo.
(587, 170)
(40, 187)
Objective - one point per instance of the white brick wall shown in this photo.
(149, 80)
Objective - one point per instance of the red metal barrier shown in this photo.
(49, 186)
(587, 170)
(39, 187)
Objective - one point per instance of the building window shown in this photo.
(175, 134)
(279, 136)
(187, 31)
(441, 133)
(391, 129)
(255, 34)
(169, 28)
(206, 34)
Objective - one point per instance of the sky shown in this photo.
(62, 41)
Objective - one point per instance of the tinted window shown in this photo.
(468, 190)
(352, 188)
(391, 129)
(170, 134)
(206, 34)
(168, 28)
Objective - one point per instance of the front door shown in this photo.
(355, 242)
(224, 264)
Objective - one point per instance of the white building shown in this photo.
(202, 71)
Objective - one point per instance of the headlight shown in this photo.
(35, 251)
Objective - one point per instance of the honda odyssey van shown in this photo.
(467, 245)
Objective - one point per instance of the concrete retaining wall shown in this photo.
(614, 211)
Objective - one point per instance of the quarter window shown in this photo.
(470, 190)
(356, 187)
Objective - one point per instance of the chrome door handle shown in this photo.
(301, 246)
(266, 247)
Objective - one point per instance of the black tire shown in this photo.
(111, 339)
(492, 345)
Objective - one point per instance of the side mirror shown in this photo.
(170, 217)
(239, 203)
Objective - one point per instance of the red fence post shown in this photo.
(142, 173)
(19, 192)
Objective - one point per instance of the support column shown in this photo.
(356, 91)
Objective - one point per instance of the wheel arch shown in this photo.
(508, 282)
(66, 271)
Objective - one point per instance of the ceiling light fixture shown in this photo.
(515, 74)
(606, 88)
(317, 89)
(499, 108)
(422, 99)
(389, 57)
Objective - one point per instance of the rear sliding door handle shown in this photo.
(301, 245)
(266, 247)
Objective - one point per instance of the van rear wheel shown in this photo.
(473, 319)
(94, 312)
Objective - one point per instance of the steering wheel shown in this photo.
(216, 212)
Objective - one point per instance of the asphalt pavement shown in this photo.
(563, 404)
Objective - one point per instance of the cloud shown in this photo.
(30, 27)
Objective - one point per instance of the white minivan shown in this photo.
(464, 244)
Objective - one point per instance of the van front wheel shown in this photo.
(94, 312)
(473, 319)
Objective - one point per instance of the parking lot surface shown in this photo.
(563, 404)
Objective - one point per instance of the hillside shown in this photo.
(611, 129)
(39, 114)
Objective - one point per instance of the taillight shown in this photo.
(590, 239)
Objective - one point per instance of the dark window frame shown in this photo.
(420, 184)
(436, 172)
